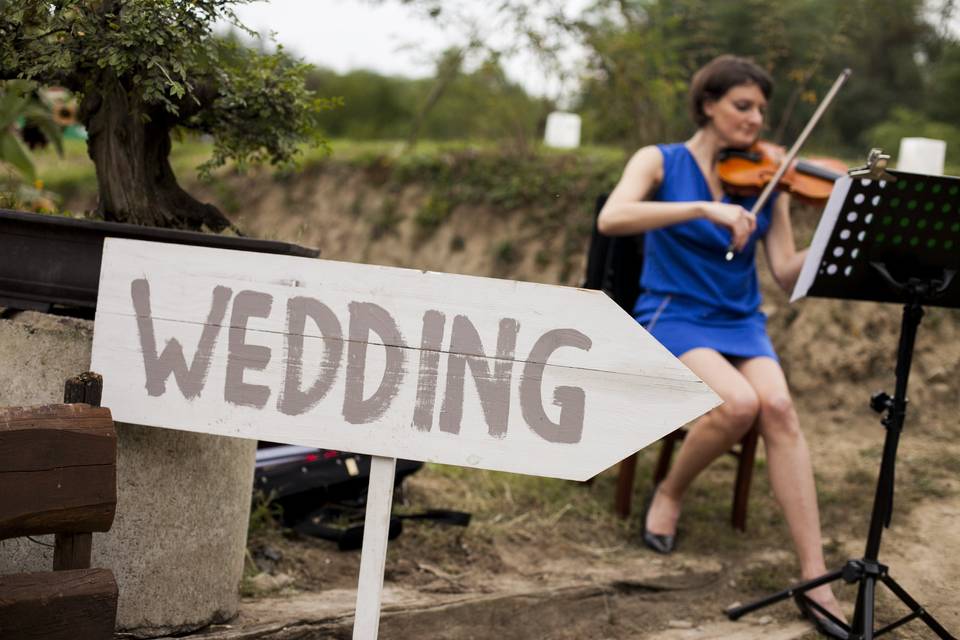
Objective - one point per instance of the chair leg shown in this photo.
(666, 455)
(624, 496)
(741, 491)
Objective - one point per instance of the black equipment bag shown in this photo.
(299, 478)
(343, 524)
(614, 264)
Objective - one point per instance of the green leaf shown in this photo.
(11, 108)
(51, 130)
(13, 151)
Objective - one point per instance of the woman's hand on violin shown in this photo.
(738, 220)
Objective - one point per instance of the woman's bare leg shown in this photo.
(709, 436)
(790, 470)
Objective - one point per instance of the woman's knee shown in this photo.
(778, 417)
(739, 411)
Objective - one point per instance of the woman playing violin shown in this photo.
(706, 309)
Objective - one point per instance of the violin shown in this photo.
(745, 172)
(786, 162)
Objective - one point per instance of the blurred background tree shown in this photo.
(640, 55)
(146, 69)
(481, 104)
(142, 69)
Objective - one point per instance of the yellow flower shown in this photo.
(38, 184)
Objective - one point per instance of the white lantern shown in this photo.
(563, 130)
(922, 155)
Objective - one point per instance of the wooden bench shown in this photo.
(58, 476)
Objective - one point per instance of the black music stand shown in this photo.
(885, 237)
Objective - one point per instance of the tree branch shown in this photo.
(205, 92)
(44, 35)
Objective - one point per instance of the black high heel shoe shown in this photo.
(663, 544)
(824, 625)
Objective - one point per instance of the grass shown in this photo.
(264, 515)
(386, 220)
(74, 172)
(506, 505)
(434, 213)
(505, 253)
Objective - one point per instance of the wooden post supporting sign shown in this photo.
(373, 558)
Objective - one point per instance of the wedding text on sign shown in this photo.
(465, 352)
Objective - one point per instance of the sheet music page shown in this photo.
(819, 243)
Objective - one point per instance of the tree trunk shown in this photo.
(129, 144)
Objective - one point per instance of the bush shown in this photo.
(905, 123)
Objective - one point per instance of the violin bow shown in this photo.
(794, 150)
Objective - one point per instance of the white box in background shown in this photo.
(922, 155)
(563, 130)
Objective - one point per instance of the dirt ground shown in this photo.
(835, 354)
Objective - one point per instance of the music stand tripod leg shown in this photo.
(868, 570)
(863, 616)
(735, 613)
(915, 607)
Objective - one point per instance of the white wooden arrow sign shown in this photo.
(476, 372)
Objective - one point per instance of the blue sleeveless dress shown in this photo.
(692, 297)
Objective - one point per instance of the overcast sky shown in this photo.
(349, 34)
(391, 39)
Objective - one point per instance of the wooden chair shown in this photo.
(613, 266)
(745, 454)
(58, 475)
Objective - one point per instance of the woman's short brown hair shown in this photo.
(718, 76)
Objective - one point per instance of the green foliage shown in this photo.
(642, 58)
(481, 104)
(542, 258)
(642, 53)
(904, 123)
(156, 64)
(262, 110)
(264, 515)
(18, 104)
(505, 253)
(375, 106)
(19, 186)
(435, 212)
(387, 219)
(547, 185)
(157, 45)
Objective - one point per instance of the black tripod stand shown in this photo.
(868, 570)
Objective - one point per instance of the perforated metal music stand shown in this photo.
(895, 239)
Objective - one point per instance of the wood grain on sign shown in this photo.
(462, 370)
(57, 470)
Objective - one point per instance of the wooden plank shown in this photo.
(57, 470)
(72, 551)
(476, 372)
(68, 605)
(50, 436)
(376, 527)
(64, 500)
